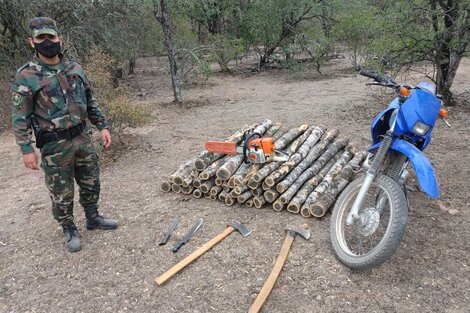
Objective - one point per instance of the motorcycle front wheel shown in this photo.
(375, 236)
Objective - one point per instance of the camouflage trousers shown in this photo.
(65, 161)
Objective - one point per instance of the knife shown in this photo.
(169, 231)
(188, 235)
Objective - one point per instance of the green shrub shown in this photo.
(120, 111)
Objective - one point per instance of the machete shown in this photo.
(169, 231)
(188, 235)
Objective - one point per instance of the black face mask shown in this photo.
(48, 48)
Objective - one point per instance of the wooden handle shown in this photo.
(193, 256)
(269, 284)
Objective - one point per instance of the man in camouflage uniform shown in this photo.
(54, 97)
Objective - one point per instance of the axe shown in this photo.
(292, 232)
(244, 231)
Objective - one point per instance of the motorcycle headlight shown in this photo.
(420, 129)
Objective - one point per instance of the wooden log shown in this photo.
(232, 164)
(292, 190)
(297, 143)
(197, 193)
(321, 188)
(213, 197)
(332, 149)
(176, 188)
(299, 199)
(240, 174)
(222, 195)
(187, 190)
(244, 197)
(165, 186)
(210, 170)
(215, 190)
(229, 201)
(281, 132)
(297, 157)
(188, 180)
(249, 202)
(225, 187)
(322, 205)
(264, 185)
(231, 183)
(182, 171)
(278, 206)
(258, 191)
(207, 195)
(196, 183)
(218, 182)
(271, 195)
(205, 186)
(240, 189)
(259, 201)
(263, 172)
(273, 130)
(233, 194)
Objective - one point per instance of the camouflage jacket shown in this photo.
(59, 97)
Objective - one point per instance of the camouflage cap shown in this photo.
(43, 25)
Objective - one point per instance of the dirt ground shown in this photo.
(115, 270)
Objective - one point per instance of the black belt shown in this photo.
(66, 134)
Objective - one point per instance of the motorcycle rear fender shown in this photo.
(423, 168)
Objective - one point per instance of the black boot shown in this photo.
(96, 221)
(72, 242)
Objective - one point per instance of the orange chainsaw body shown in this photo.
(265, 144)
(259, 150)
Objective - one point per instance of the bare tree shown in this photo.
(162, 15)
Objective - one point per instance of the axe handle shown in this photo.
(193, 256)
(269, 284)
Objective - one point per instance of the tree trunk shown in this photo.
(164, 19)
(299, 199)
(322, 205)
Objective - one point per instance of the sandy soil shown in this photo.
(115, 271)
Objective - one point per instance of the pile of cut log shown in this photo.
(320, 165)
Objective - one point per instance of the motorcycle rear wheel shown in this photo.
(372, 240)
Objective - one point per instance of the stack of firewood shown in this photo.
(319, 167)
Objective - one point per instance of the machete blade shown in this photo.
(188, 235)
(168, 232)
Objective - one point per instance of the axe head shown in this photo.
(294, 231)
(242, 229)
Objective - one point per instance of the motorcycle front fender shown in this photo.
(422, 166)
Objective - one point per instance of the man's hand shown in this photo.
(106, 137)
(31, 160)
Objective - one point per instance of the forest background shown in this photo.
(107, 37)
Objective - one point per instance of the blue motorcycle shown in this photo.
(369, 218)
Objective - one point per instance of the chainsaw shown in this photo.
(254, 148)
